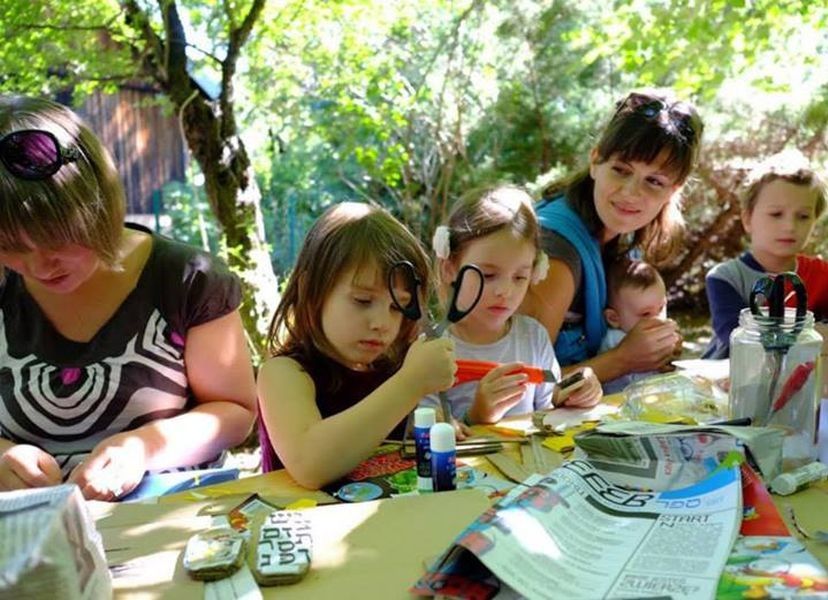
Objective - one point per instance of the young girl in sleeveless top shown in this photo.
(344, 373)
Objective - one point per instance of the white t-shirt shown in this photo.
(528, 342)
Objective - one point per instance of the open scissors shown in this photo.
(776, 338)
(466, 290)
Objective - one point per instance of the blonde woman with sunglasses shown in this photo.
(626, 201)
(121, 351)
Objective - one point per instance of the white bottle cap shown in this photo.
(425, 417)
(442, 438)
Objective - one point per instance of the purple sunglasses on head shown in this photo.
(651, 107)
(34, 154)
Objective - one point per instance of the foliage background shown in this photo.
(409, 103)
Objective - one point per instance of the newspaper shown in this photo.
(50, 547)
(573, 534)
(650, 446)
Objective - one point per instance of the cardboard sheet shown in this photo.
(376, 546)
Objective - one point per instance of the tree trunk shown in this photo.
(213, 139)
(235, 199)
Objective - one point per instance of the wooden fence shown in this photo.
(145, 142)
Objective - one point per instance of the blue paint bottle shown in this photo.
(424, 418)
(443, 457)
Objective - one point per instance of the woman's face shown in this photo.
(629, 195)
(58, 271)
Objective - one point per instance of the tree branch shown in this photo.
(206, 53)
(151, 57)
(451, 38)
(238, 37)
(180, 83)
(71, 27)
(53, 27)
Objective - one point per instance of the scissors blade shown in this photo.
(436, 330)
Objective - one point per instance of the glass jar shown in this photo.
(776, 379)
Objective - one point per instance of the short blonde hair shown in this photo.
(82, 203)
(789, 165)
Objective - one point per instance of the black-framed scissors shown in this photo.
(775, 337)
(774, 291)
(466, 290)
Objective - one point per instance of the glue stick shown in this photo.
(788, 483)
(424, 418)
(443, 457)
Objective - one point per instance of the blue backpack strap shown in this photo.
(556, 215)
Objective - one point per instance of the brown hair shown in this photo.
(789, 165)
(348, 234)
(82, 203)
(635, 135)
(487, 210)
(626, 273)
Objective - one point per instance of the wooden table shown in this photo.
(386, 542)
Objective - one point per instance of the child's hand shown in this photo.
(461, 430)
(497, 392)
(429, 365)
(589, 393)
(678, 349)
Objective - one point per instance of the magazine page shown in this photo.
(50, 547)
(766, 562)
(573, 534)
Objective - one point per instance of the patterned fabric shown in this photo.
(66, 396)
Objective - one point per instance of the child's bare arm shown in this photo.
(317, 451)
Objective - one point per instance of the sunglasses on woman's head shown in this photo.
(650, 108)
(34, 154)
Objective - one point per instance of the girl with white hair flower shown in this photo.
(496, 229)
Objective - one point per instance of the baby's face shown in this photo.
(633, 304)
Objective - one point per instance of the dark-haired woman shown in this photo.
(626, 200)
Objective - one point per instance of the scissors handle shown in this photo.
(773, 290)
(403, 273)
(762, 287)
(455, 313)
